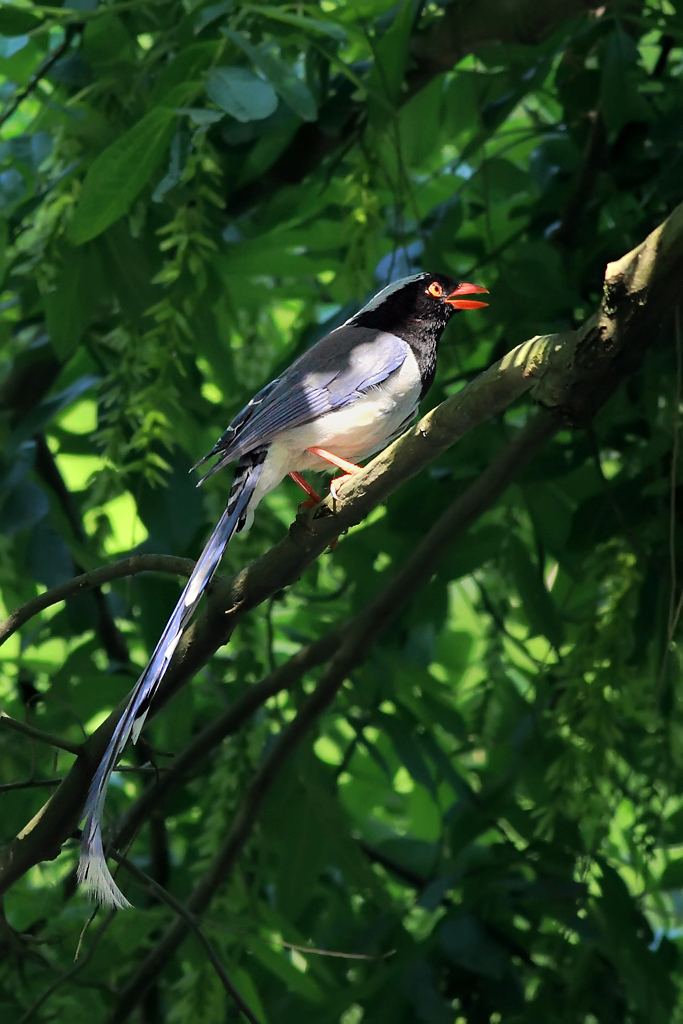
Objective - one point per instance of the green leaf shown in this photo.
(406, 742)
(106, 41)
(211, 13)
(466, 942)
(12, 190)
(315, 25)
(190, 64)
(15, 21)
(672, 875)
(201, 117)
(241, 93)
(180, 147)
(64, 308)
(391, 56)
(23, 507)
(619, 98)
(282, 77)
(119, 174)
(539, 607)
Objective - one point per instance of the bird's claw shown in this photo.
(337, 482)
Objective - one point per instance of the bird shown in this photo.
(344, 399)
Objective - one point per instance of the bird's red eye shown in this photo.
(435, 290)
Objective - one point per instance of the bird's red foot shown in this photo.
(349, 468)
(313, 498)
(337, 481)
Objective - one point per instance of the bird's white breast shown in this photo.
(354, 432)
(362, 427)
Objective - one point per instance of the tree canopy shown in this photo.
(436, 774)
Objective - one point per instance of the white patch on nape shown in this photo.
(382, 296)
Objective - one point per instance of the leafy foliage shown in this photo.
(489, 818)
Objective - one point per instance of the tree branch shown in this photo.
(9, 787)
(78, 966)
(130, 566)
(189, 919)
(7, 722)
(573, 373)
(46, 467)
(357, 638)
(282, 678)
(70, 32)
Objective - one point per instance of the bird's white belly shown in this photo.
(358, 430)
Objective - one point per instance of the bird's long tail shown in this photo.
(93, 872)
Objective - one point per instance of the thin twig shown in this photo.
(70, 32)
(130, 566)
(315, 951)
(143, 769)
(47, 738)
(179, 908)
(609, 493)
(67, 975)
(270, 634)
(675, 606)
(584, 185)
(8, 787)
(499, 621)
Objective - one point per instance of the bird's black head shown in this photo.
(420, 304)
(416, 309)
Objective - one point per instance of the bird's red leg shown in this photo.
(313, 496)
(312, 500)
(348, 468)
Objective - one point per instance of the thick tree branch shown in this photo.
(130, 566)
(574, 372)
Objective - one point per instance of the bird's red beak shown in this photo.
(465, 288)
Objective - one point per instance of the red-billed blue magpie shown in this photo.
(344, 399)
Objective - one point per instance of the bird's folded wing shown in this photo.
(333, 373)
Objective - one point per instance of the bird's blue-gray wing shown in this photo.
(335, 372)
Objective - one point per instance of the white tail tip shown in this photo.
(96, 878)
